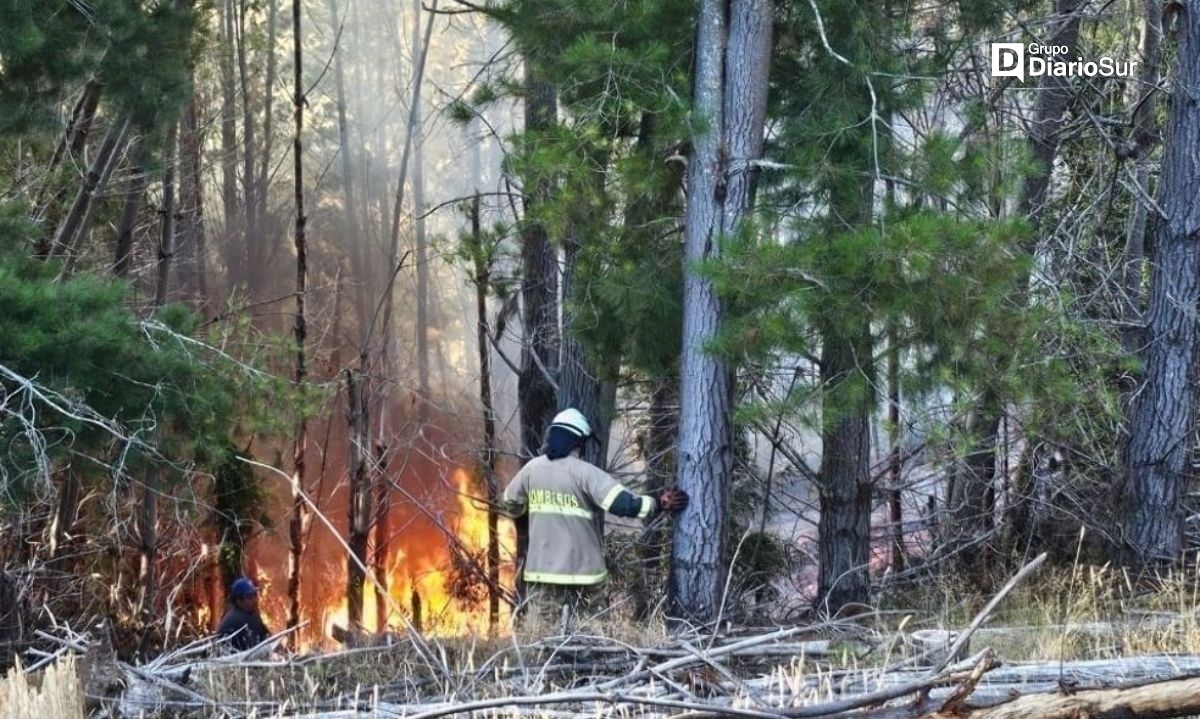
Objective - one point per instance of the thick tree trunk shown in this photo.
(843, 532)
(536, 393)
(1144, 101)
(730, 90)
(296, 524)
(1163, 415)
(583, 384)
(971, 497)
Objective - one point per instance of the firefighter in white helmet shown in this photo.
(566, 498)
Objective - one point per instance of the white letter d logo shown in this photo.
(1008, 60)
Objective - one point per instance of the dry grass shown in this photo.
(54, 693)
(1071, 613)
(1078, 612)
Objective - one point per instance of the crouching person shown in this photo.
(243, 622)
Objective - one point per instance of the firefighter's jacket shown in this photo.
(566, 500)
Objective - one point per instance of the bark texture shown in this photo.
(1163, 414)
(536, 393)
(844, 483)
(1142, 140)
(729, 96)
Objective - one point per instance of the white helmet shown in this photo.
(573, 421)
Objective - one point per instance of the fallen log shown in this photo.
(1160, 700)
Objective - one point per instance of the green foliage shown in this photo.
(762, 558)
(240, 503)
(621, 72)
(140, 50)
(610, 61)
(940, 282)
(77, 338)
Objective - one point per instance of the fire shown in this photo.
(427, 588)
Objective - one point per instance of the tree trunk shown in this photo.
(1163, 416)
(398, 203)
(252, 240)
(73, 142)
(166, 242)
(895, 496)
(1143, 138)
(360, 495)
(147, 523)
(299, 513)
(140, 180)
(93, 183)
(66, 512)
(230, 248)
(350, 216)
(75, 137)
(193, 270)
(844, 481)
(584, 384)
(268, 121)
(730, 92)
(536, 395)
(539, 288)
(383, 535)
(659, 457)
(422, 245)
(487, 458)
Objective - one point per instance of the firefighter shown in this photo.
(565, 498)
(243, 622)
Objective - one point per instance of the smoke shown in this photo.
(425, 419)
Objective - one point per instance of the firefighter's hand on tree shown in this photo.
(673, 500)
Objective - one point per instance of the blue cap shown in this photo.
(243, 587)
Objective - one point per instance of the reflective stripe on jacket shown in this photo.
(566, 500)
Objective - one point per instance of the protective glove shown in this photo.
(672, 500)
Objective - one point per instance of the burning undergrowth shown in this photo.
(427, 548)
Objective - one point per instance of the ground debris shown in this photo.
(783, 672)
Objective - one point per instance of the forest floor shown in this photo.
(1059, 640)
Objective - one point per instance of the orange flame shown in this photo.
(429, 580)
